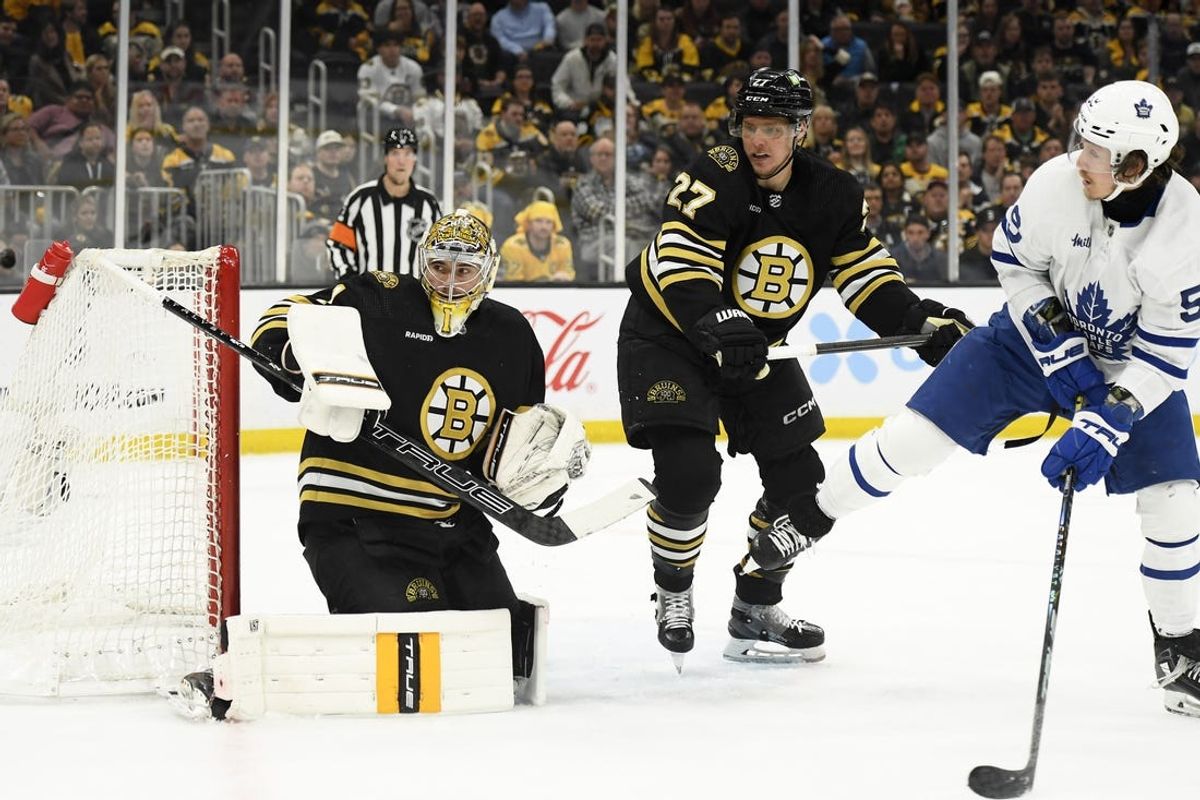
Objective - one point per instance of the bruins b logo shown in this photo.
(456, 412)
(774, 277)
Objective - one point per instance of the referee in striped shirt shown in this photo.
(382, 222)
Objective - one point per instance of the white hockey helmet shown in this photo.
(1126, 116)
(458, 269)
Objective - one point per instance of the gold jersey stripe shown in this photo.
(871, 287)
(676, 545)
(846, 275)
(655, 295)
(334, 498)
(675, 225)
(385, 478)
(850, 258)
(266, 326)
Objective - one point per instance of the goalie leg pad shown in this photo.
(1170, 517)
(422, 662)
(530, 629)
(906, 445)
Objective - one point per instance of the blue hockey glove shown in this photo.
(1091, 443)
(947, 325)
(732, 338)
(1062, 354)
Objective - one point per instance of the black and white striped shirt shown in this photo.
(375, 232)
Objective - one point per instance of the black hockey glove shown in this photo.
(731, 337)
(947, 325)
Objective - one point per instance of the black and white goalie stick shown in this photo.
(567, 527)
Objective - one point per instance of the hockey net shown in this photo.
(118, 480)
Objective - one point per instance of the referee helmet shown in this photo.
(400, 137)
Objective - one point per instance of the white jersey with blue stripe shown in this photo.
(1133, 289)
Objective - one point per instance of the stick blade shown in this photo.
(988, 781)
(628, 498)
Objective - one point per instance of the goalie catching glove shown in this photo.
(534, 454)
(326, 345)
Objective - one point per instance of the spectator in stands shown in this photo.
(425, 16)
(174, 94)
(573, 23)
(939, 140)
(1011, 186)
(982, 62)
(1189, 76)
(975, 264)
(56, 127)
(99, 75)
(1074, 61)
(859, 110)
(1020, 133)
(986, 114)
(640, 141)
(231, 69)
(1189, 142)
(660, 176)
(874, 220)
(846, 56)
(886, 143)
(941, 57)
(429, 114)
(1173, 44)
(970, 194)
(15, 51)
(391, 79)
(139, 65)
(692, 136)
(822, 138)
(666, 49)
(523, 27)
(727, 53)
(595, 200)
(1049, 113)
(231, 122)
(663, 112)
(301, 182)
(143, 168)
(897, 203)
(417, 42)
(144, 112)
(89, 163)
(194, 154)
(776, 41)
(758, 18)
(331, 183)
(812, 67)
(918, 170)
(699, 20)
(900, 58)
(1120, 61)
(579, 77)
(51, 70)
(80, 39)
(256, 157)
(537, 251)
(196, 64)
(994, 164)
(13, 103)
(87, 230)
(523, 89)
(816, 17)
(516, 184)
(1183, 111)
(935, 207)
(20, 161)
(1093, 23)
(600, 114)
(509, 130)
(926, 106)
(716, 113)
(1013, 50)
(919, 261)
(560, 165)
(1050, 148)
(856, 157)
(483, 61)
(341, 27)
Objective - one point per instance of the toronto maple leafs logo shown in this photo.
(1107, 338)
(1143, 109)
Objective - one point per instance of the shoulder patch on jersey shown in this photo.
(725, 156)
(388, 280)
(666, 392)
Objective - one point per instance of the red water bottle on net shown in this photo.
(44, 279)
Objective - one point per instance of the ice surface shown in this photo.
(933, 603)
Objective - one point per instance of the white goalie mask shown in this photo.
(1124, 117)
(458, 269)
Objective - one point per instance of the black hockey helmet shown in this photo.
(400, 137)
(772, 93)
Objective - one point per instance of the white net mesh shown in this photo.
(110, 498)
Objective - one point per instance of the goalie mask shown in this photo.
(458, 268)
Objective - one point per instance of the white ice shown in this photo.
(933, 603)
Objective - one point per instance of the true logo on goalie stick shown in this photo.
(420, 589)
(666, 392)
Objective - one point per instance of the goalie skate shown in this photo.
(193, 698)
(766, 634)
(1178, 672)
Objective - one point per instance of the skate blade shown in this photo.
(1181, 703)
(752, 651)
(677, 660)
(189, 702)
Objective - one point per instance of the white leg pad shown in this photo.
(532, 690)
(905, 445)
(426, 662)
(1170, 516)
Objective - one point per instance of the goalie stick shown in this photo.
(626, 499)
(850, 346)
(988, 781)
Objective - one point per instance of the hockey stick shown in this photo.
(990, 781)
(851, 346)
(626, 499)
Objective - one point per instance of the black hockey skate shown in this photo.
(789, 535)
(766, 634)
(674, 614)
(1177, 664)
(194, 697)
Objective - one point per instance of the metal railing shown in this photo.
(219, 198)
(370, 137)
(268, 55)
(259, 244)
(158, 217)
(36, 211)
(318, 90)
(220, 31)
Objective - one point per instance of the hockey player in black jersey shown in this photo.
(751, 229)
(451, 363)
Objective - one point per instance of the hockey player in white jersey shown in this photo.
(1100, 262)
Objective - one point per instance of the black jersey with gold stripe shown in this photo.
(726, 241)
(445, 393)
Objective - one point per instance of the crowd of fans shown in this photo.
(535, 109)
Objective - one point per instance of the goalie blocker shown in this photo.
(422, 662)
